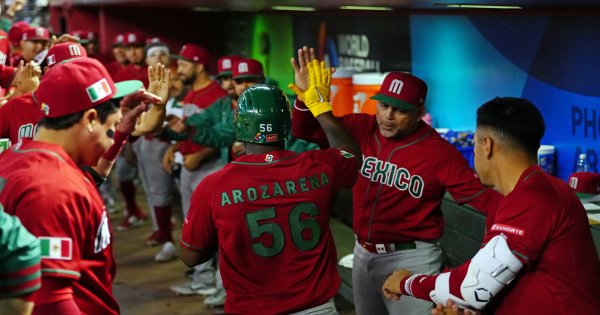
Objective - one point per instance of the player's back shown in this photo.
(271, 213)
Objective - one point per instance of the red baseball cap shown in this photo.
(224, 65)
(36, 33)
(84, 36)
(402, 90)
(247, 68)
(15, 34)
(77, 85)
(194, 53)
(65, 51)
(134, 39)
(585, 182)
(118, 40)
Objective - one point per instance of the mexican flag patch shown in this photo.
(98, 90)
(56, 247)
(346, 154)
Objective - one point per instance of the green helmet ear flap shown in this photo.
(263, 115)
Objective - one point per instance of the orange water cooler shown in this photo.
(341, 92)
(364, 86)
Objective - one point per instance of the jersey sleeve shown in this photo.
(305, 126)
(19, 258)
(199, 233)
(7, 74)
(344, 165)
(57, 217)
(462, 182)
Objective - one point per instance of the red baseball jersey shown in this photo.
(269, 215)
(59, 203)
(195, 102)
(19, 118)
(131, 72)
(546, 227)
(401, 183)
(113, 68)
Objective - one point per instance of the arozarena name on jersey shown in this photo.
(390, 174)
(274, 189)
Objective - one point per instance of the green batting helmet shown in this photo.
(263, 115)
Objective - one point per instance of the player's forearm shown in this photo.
(337, 135)
(306, 127)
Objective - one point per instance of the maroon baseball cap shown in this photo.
(247, 68)
(36, 33)
(118, 40)
(224, 65)
(194, 53)
(402, 90)
(585, 182)
(65, 51)
(84, 36)
(15, 34)
(77, 85)
(134, 39)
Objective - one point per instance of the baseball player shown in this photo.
(118, 52)
(275, 220)
(198, 161)
(407, 169)
(15, 35)
(20, 115)
(134, 43)
(537, 255)
(19, 266)
(34, 41)
(63, 207)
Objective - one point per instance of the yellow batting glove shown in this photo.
(296, 91)
(316, 97)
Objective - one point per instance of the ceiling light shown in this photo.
(206, 9)
(292, 8)
(366, 8)
(479, 6)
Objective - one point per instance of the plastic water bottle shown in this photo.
(582, 163)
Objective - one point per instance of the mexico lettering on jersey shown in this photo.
(390, 174)
(28, 131)
(19, 118)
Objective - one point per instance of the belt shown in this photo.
(384, 248)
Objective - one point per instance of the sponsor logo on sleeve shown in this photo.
(272, 138)
(508, 229)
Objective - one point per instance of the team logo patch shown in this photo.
(269, 158)
(60, 248)
(346, 154)
(508, 229)
(51, 60)
(272, 138)
(259, 137)
(45, 108)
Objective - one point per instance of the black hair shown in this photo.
(516, 120)
(65, 122)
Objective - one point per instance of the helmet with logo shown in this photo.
(263, 115)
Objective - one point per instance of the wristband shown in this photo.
(405, 284)
(113, 151)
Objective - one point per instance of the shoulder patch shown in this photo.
(60, 248)
(346, 154)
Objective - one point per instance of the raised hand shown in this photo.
(305, 55)
(316, 96)
(159, 82)
(27, 79)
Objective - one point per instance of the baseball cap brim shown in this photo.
(248, 76)
(393, 101)
(125, 88)
(224, 73)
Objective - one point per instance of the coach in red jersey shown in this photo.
(537, 255)
(274, 221)
(406, 171)
(44, 186)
